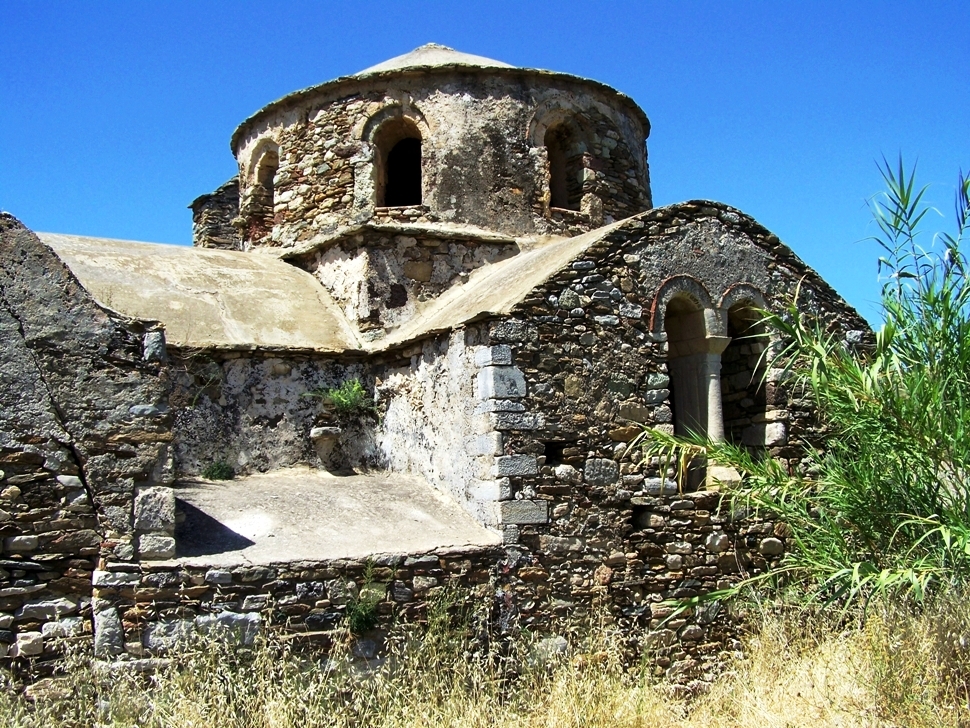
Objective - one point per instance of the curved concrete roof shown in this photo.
(431, 55)
(208, 298)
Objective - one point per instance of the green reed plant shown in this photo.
(887, 509)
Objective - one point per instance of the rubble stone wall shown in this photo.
(252, 410)
(213, 216)
(84, 445)
(381, 279)
(483, 155)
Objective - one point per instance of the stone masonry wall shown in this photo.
(593, 512)
(213, 216)
(84, 447)
(252, 411)
(381, 279)
(479, 164)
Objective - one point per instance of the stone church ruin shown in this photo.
(476, 245)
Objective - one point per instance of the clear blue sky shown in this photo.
(115, 115)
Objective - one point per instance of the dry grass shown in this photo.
(897, 670)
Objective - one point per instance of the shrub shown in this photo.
(219, 470)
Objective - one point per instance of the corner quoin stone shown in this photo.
(516, 465)
(501, 382)
(525, 511)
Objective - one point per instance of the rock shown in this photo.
(365, 649)
(549, 649)
(771, 547)
(67, 627)
(151, 546)
(114, 579)
(109, 637)
(400, 592)
(423, 583)
(153, 345)
(155, 509)
(255, 602)
(516, 465)
(218, 576)
(20, 544)
(47, 608)
(501, 382)
(600, 471)
(524, 511)
(28, 644)
(717, 542)
(163, 636)
(239, 628)
(568, 474)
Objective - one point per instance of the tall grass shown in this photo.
(887, 510)
(902, 668)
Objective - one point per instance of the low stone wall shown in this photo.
(690, 545)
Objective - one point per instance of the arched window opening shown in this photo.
(403, 174)
(686, 358)
(743, 391)
(398, 164)
(565, 149)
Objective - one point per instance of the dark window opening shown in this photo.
(266, 173)
(262, 196)
(565, 153)
(398, 296)
(686, 366)
(555, 450)
(403, 183)
(640, 517)
(743, 391)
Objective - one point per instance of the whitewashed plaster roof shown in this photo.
(208, 298)
(432, 55)
(232, 300)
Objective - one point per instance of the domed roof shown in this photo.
(433, 54)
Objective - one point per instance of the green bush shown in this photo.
(219, 470)
(887, 510)
(347, 399)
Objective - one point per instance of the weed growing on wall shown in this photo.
(888, 511)
(350, 398)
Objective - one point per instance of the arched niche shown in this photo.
(559, 127)
(260, 197)
(397, 163)
(566, 150)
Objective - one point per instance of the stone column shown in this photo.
(712, 366)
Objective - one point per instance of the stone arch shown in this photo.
(687, 287)
(259, 199)
(395, 137)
